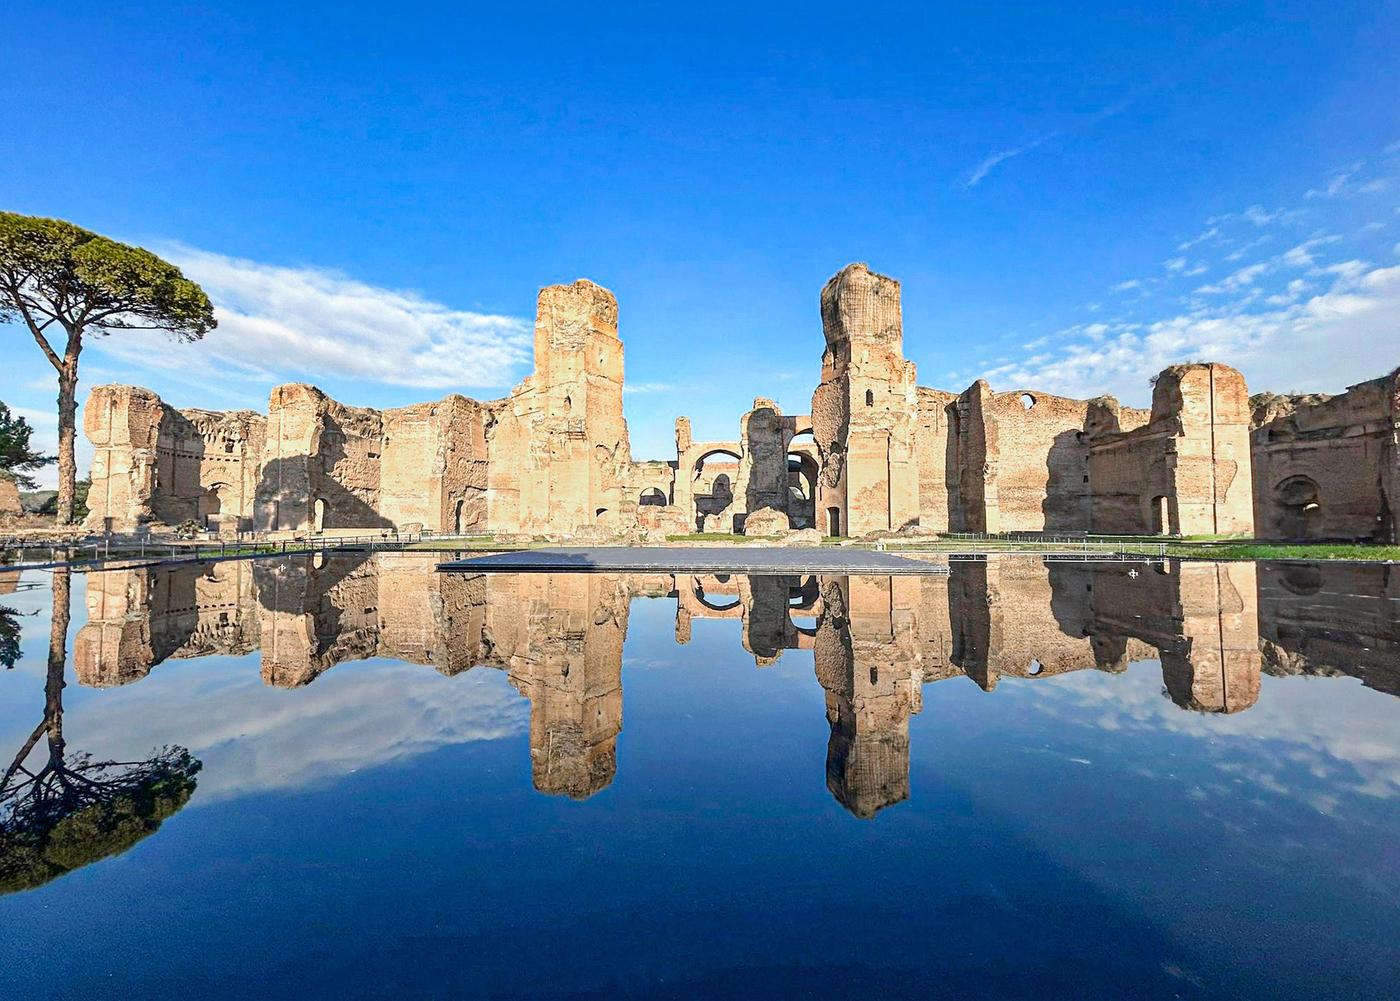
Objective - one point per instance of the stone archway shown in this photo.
(1299, 503)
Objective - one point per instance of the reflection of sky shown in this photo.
(252, 737)
(1344, 736)
(1071, 836)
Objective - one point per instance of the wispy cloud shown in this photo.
(278, 323)
(1337, 183)
(1322, 343)
(1001, 156)
(647, 388)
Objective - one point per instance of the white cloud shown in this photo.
(1301, 256)
(1336, 185)
(1345, 334)
(1208, 234)
(647, 388)
(1128, 285)
(1233, 283)
(1001, 156)
(1175, 264)
(279, 323)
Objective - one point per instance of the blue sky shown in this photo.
(1072, 198)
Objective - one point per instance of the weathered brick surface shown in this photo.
(1328, 467)
(554, 458)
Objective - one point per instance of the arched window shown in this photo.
(870, 397)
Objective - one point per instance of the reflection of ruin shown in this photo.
(1200, 619)
(1332, 619)
(867, 661)
(876, 641)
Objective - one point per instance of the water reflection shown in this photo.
(876, 641)
(61, 810)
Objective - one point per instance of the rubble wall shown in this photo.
(1328, 467)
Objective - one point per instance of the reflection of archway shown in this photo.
(1159, 515)
(699, 592)
(318, 515)
(1300, 508)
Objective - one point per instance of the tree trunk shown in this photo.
(67, 432)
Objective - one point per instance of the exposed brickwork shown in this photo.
(1328, 467)
(554, 458)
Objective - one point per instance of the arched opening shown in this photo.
(211, 504)
(833, 521)
(1027, 401)
(654, 497)
(318, 515)
(713, 487)
(1159, 514)
(802, 489)
(600, 513)
(1300, 508)
(870, 397)
(457, 517)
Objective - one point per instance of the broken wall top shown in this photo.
(858, 304)
(1186, 391)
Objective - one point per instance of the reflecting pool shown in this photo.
(358, 777)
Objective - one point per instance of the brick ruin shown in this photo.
(876, 642)
(1326, 467)
(877, 453)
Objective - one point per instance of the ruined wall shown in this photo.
(321, 465)
(1023, 461)
(936, 452)
(9, 495)
(1328, 467)
(152, 463)
(1187, 469)
(561, 441)
(863, 413)
(719, 485)
(433, 470)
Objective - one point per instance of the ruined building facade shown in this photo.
(876, 453)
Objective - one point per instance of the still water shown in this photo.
(357, 777)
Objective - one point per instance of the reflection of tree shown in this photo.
(70, 811)
(9, 637)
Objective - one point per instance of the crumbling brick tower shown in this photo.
(560, 458)
(863, 411)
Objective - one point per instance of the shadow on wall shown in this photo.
(289, 505)
(1066, 504)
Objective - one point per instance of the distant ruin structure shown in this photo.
(1327, 467)
(876, 453)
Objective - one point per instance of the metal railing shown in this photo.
(141, 547)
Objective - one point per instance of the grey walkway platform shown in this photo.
(696, 559)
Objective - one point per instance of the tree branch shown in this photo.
(23, 304)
